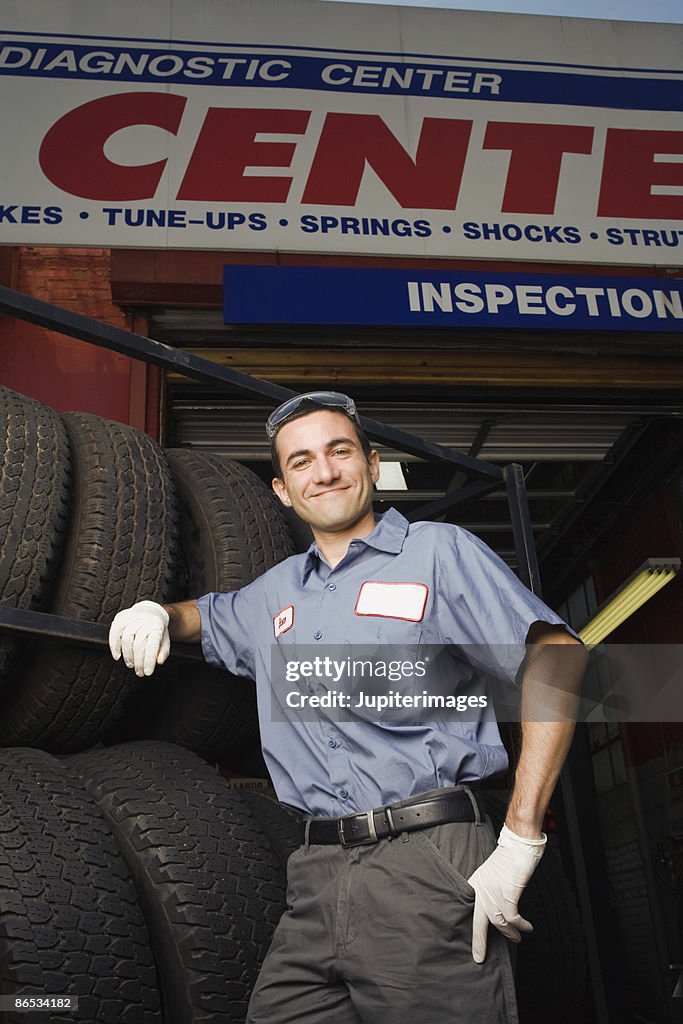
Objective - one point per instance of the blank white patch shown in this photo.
(392, 600)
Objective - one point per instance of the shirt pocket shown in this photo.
(385, 633)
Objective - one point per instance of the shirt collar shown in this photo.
(388, 535)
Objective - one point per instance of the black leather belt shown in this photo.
(392, 819)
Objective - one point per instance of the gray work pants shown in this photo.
(383, 933)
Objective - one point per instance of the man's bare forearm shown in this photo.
(551, 685)
(184, 622)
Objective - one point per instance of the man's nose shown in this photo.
(325, 469)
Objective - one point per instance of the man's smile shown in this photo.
(330, 490)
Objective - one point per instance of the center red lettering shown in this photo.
(642, 171)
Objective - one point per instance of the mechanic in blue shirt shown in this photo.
(391, 895)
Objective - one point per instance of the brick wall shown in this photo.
(61, 371)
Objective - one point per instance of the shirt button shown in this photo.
(332, 743)
(343, 793)
(309, 688)
(333, 586)
(317, 635)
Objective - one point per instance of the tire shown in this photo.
(70, 923)
(211, 890)
(120, 549)
(283, 826)
(34, 499)
(232, 529)
(551, 972)
(203, 709)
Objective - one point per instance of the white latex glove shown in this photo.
(141, 634)
(498, 884)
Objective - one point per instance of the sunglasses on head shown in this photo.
(323, 399)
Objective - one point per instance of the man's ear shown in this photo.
(373, 462)
(281, 491)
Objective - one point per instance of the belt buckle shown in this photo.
(372, 838)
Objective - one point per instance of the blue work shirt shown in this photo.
(452, 590)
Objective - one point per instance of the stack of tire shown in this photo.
(133, 878)
(134, 881)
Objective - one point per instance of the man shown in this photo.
(391, 895)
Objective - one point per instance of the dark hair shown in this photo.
(305, 409)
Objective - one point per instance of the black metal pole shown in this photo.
(45, 626)
(522, 532)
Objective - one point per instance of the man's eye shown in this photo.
(300, 463)
(340, 451)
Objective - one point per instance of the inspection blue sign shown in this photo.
(434, 298)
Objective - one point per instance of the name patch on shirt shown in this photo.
(283, 621)
(392, 600)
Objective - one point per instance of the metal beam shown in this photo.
(45, 626)
(451, 498)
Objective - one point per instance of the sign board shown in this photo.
(408, 298)
(340, 128)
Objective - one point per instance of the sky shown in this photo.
(616, 10)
